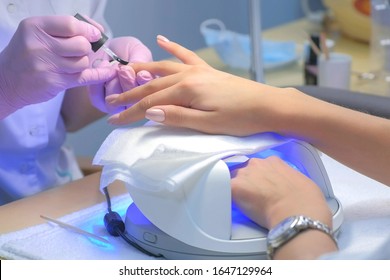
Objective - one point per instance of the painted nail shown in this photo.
(162, 38)
(114, 119)
(110, 99)
(156, 115)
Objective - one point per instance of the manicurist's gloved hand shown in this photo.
(47, 55)
(127, 48)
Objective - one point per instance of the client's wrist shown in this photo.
(288, 236)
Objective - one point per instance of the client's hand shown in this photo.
(269, 190)
(197, 96)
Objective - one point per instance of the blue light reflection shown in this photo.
(96, 226)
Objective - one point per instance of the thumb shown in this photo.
(127, 78)
(143, 77)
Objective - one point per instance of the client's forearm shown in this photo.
(358, 140)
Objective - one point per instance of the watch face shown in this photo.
(281, 228)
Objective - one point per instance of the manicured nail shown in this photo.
(111, 99)
(156, 115)
(114, 119)
(162, 38)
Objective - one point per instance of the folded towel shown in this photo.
(52, 242)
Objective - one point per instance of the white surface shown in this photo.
(366, 206)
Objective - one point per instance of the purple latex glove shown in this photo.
(127, 48)
(45, 56)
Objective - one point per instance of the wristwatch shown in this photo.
(291, 227)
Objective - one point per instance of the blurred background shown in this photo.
(179, 20)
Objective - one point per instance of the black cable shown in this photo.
(135, 245)
(108, 199)
(116, 227)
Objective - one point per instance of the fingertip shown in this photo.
(162, 38)
(127, 72)
(127, 78)
(112, 98)
(106, 73)
(89, 31)
(114, 119)
(93, 30)
(95, 34)
(143, 77)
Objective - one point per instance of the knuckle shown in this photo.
(145, 103)
(275, 159)
(195, 80)
(178, 117)
(256, 162)
(164, 64)
(73, 25)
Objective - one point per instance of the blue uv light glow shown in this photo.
(238, 216)
(96, 226)
(285, 157)
(264, 155)
(138, 218)
(101, 244)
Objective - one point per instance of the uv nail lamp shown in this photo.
(199, 221)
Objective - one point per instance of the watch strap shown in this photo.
(301, 223)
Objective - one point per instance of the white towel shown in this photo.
(365, 233)
(52, 242)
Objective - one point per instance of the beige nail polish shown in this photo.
(156, 115)
(162, 38)
(113, 119)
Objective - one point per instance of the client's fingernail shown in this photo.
(111, 99)
(162, 38)
(156, 115)
(114, 119)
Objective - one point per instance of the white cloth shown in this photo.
(139, 156)
(364, 233)
(50, 241)
(33, 157)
